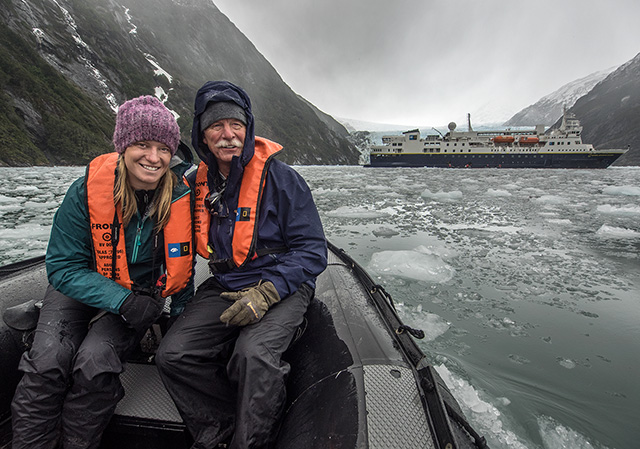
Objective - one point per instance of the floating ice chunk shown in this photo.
(454, 195)
(498, 193)
(357, 212)
(550, 199)
(377, 188)
(561, 221)
(613, 232)
(385, 232)
(411, 265)
(622, 190)
(567, 363)
(533, 191)
(27, 189)
(433, 325)
(33, 205)
(26, 231)
(555, 435)
(8, 200)
(10, 208)
(624, 210)
(486, 418)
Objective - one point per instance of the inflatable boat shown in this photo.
(358, 378)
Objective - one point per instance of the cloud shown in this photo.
(417, 62)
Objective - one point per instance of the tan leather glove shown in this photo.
(250, 304)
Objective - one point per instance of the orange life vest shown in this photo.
(178, 236)
(245, 231)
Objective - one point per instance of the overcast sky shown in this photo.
(428, 62)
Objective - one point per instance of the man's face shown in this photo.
(225, 139)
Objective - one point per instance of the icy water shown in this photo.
(526, 282)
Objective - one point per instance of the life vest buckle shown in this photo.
(221, 265)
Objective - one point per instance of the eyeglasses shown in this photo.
(216, 205)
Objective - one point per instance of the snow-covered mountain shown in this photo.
(359, 125)
(548, 109)
(65, 65)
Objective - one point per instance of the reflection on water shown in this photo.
(525, 281)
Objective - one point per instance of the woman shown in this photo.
(121, 241)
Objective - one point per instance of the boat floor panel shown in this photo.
(145, 395)
(395, 415)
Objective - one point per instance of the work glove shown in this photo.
(140, 311)
(250, 304)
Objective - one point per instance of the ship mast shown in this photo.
(563, 126)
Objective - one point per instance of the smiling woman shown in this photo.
(146, 163)
(107, 280)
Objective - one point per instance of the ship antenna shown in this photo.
(438, 132)
(469, 121)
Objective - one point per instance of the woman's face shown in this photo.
(147, 162)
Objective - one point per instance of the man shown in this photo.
(221, 361)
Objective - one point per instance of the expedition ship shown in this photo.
(508, 148)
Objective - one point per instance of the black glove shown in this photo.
(141, 311)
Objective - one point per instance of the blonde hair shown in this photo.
(124, 195)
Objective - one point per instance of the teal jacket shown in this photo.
(69, 257)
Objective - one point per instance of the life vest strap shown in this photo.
(226, 265)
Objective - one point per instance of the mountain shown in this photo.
(359, 125)
(548, 109)
(606, 103)
(610, 112)
(67, 64)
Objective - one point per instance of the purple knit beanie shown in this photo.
(145, 118)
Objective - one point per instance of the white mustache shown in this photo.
(229, 143)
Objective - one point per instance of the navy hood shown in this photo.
(214, 91)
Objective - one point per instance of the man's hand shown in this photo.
(250, 304)
(141, 311)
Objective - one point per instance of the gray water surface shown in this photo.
(526, 282)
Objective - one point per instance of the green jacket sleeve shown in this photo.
(69, 258)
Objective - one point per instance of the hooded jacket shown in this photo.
(287, 215)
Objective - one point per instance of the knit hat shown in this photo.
(218, 110)
(145, 118)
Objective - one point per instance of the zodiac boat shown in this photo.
(358, 379)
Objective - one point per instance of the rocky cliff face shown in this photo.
(67, 64)
(610, 112)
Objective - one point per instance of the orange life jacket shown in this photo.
(178, 236)
(245, 231)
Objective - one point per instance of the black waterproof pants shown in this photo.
(70, 386)
(228, 382)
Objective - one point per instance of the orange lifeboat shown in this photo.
(503, 139)
(528, 140)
